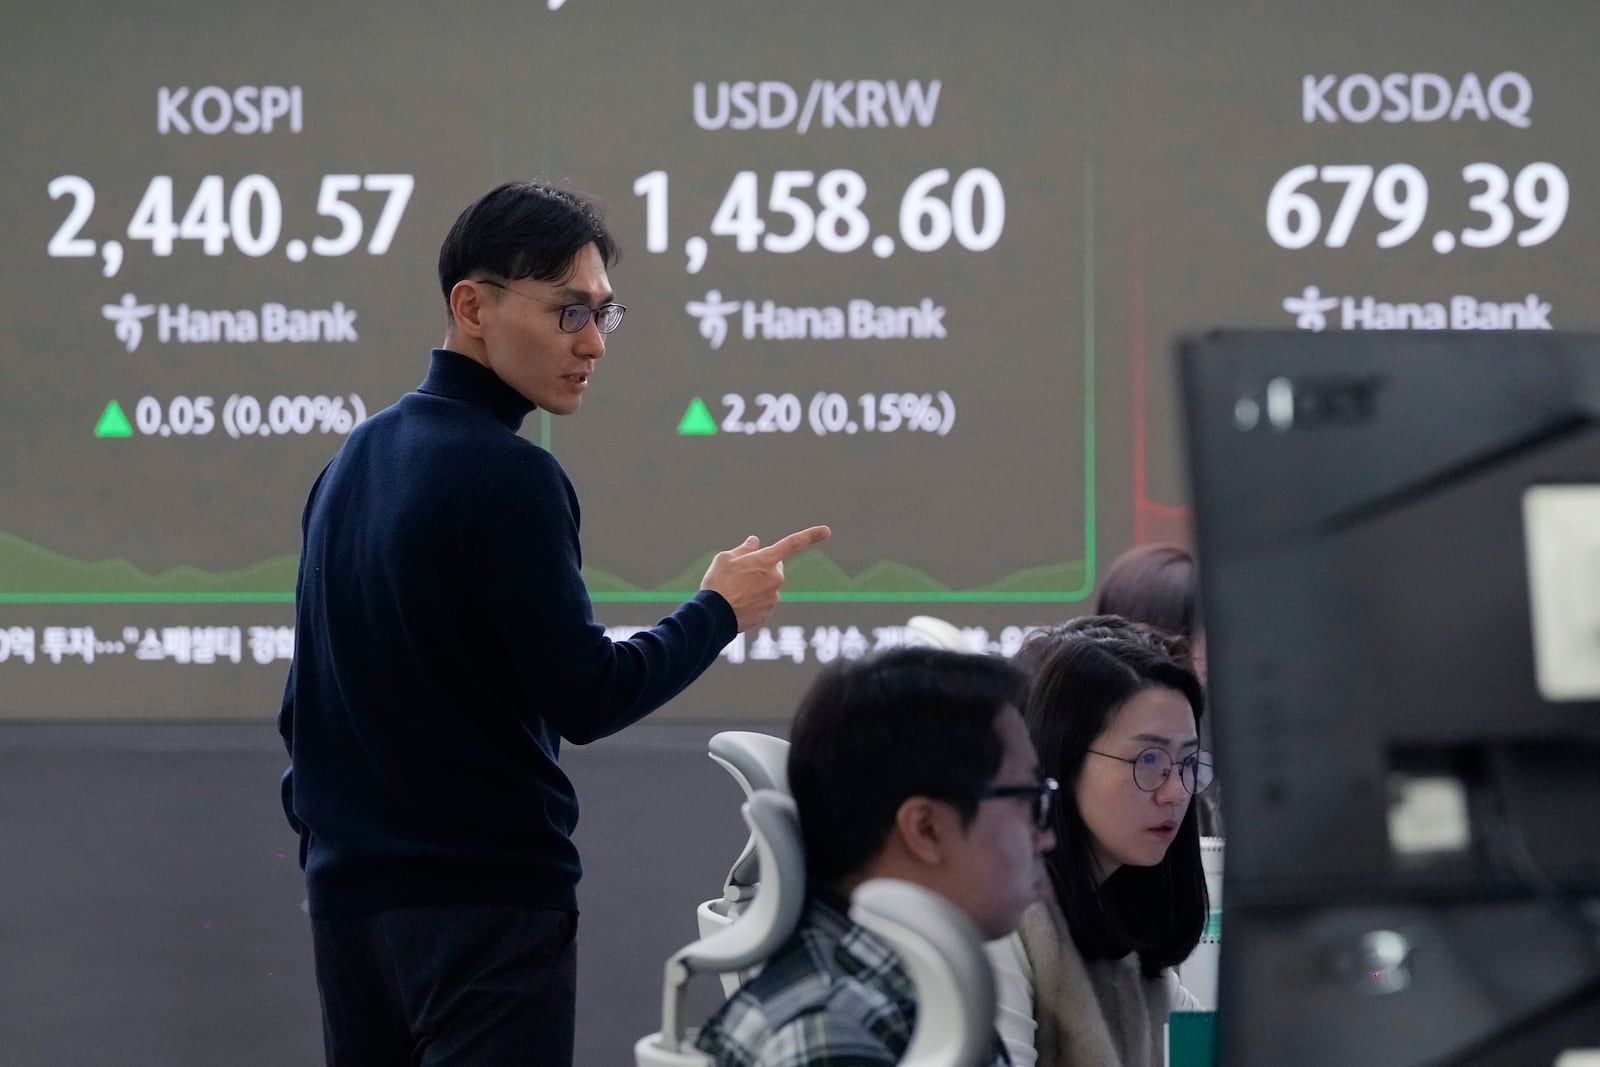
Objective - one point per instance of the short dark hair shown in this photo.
(873, 732)
(1157, 584)
(1084, 672)
(522, 229)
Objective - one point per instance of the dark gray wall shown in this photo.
(150, 898)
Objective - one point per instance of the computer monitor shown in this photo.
(1399, 536)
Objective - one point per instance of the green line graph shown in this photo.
(1049, 584)
(811, 578)
(32, 574)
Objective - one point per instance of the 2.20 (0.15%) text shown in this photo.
(828, 413)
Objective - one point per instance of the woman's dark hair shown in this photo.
(1083, 672)
(873, 732)
(522, 230)
(1155, 584)
(1041, 641)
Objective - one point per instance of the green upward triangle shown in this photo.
(113, 423)
(696, 421)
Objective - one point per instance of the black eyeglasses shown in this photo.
(574, 317)
(1042, 794)
(1153, 766)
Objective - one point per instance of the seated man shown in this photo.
(914, 764)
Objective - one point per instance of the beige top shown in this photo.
(1054, 1010)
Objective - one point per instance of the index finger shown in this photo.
(796, 542)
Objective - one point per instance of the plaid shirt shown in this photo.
(834, 996)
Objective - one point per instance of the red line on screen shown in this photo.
(1143, 507)
(1139, 315)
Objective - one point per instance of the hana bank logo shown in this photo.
(713, 314)
(270, 323)
(1460, 311)
(1310, 309)
(128, 318)
(856, 320)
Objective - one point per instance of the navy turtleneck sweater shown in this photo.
(444, 647)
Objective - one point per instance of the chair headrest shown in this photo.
(756, 761)
(943, 952)
(937, 633)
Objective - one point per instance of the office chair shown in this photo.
(943, 952)
(759, 930)
(756, 761)
(937, 633)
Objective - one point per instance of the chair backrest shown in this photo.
(756, 933)
(756, 761)
(943, 952)
(937, 633)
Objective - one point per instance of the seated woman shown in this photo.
(1160, 585)
(1087, 980)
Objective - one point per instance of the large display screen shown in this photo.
(909, 270)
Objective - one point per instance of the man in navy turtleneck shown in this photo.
(445, 646)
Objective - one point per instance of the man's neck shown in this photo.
(461, 344)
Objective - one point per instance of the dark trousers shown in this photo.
(465, 984)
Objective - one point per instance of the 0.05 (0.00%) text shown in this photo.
(242, 417)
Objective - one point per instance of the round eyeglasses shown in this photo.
(1153, 766)
(574, 317)
(1041, 797)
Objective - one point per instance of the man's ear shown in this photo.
(467, 302)
(924, 826)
